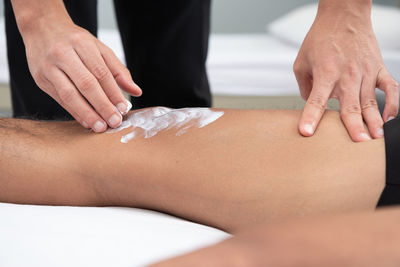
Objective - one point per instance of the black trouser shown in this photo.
(391, 194)
(165, 45)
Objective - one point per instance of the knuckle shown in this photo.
(329, 71)
(100, 72)
(78, 37)
(65, 95)
(86, 83)
(105, 49)
(57, 51)
(39, 77)
(351, 109)
(369, 69)
(369, 104)
(393, 85)
(353, 71)
(318, 101)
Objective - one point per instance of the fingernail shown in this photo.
(380, 132)
(99, 126)
(308, 128)
(122, 108)
(364, 137)
(84, 124)
(129, 107)
(390, 118)
(115, 120)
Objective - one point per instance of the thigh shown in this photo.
(27, 98)
(166, 45)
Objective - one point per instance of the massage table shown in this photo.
(46, 236)
(245, 66)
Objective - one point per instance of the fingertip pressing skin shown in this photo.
(312, 114)
(380, 132)
(315, 106)
(115, 120)
(363, 137)
(307, 129)
(99, 127)
(356, 129)
(356, 132)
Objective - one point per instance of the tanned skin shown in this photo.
(245, 169)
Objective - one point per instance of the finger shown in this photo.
(315, 107)
(120, 73)
(71, 100)
(92, 59)
(386, 83)
(369, 108)
(350, 112)
(51, 91)
(90, 88)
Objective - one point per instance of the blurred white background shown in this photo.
(231, 16)
(235, 16)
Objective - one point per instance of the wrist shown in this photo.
(350, 9)
(45, 13)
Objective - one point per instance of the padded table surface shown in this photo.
(46, 236)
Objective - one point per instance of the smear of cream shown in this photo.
(149, 122)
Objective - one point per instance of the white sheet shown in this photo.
(261, 65)
(256, 64)
(69, 236)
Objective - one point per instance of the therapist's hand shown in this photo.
(79, 72)
(340, 58)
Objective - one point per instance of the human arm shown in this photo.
(72, 66)
(247, 168)
(340, 58)
(360, 239)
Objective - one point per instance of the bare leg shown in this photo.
(362, 239)
(247, 168)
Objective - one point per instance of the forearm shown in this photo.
(32, 15)
(363, 239)
(339, 6)
(344, 17)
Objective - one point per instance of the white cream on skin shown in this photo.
(148, 123)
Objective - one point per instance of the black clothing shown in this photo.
(391, 193)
